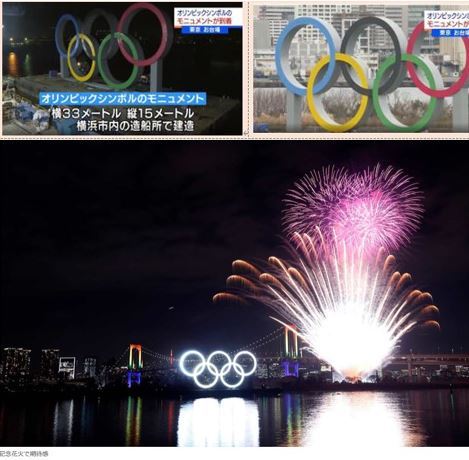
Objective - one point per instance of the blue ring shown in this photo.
(293, 27)
(59, 30)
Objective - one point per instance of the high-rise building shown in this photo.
(89, 367)
(67, 368)
(278, 16)
(50, 363)
(262, 40)
(326, 12)
(453, 50)
(16, 363)
(379, 39)
(415, 14)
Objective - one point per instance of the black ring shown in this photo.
(111, 22)
(397, 73)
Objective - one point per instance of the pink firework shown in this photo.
(378, 207)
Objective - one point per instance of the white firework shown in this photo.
(351, 310)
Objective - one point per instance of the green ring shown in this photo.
(423, 122)
(109, 79)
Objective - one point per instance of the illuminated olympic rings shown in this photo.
(373, 94)
(71, 61)
(216, 372)
(117, 39)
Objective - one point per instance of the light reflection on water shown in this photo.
(209, 422)
(361, 419)
(25, 62)
(133, 421)
(355, 419)
(13, 66)
(63, 422)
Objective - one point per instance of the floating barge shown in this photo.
(213, 119)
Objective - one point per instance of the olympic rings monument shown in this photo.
(118, 40)
(373, 94)
(218, 374)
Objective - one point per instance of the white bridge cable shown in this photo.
(122, 355)
(258, 343)
(155, 354)
(266, 339)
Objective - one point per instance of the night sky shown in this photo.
(39, 18)
(108, 243)
(201, 62)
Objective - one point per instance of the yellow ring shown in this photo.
(88, 41)
(331, 125)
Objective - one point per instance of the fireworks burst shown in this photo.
(381, 207)
(349, 308)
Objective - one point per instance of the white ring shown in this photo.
(254, 362)
(203, 366)
(218, 373)
(238, 369)
(223, 353)
(183, 358)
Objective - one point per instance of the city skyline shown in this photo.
(372, 44)
(154, 369)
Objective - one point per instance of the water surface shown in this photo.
(357, 419)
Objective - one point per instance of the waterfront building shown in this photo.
(50, 364)
(67, 368)
(16, 364)
(89, 367)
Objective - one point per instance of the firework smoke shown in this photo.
(349, 308)
(380, 207)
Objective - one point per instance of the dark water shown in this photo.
(27, 61)
(214, 69)
(357, 419)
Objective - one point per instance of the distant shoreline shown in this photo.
(186, 393)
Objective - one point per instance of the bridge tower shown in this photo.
(290, 363)
(134, 372)
(291, 342)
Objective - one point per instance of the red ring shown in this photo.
(439, 93)
(131, 10)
